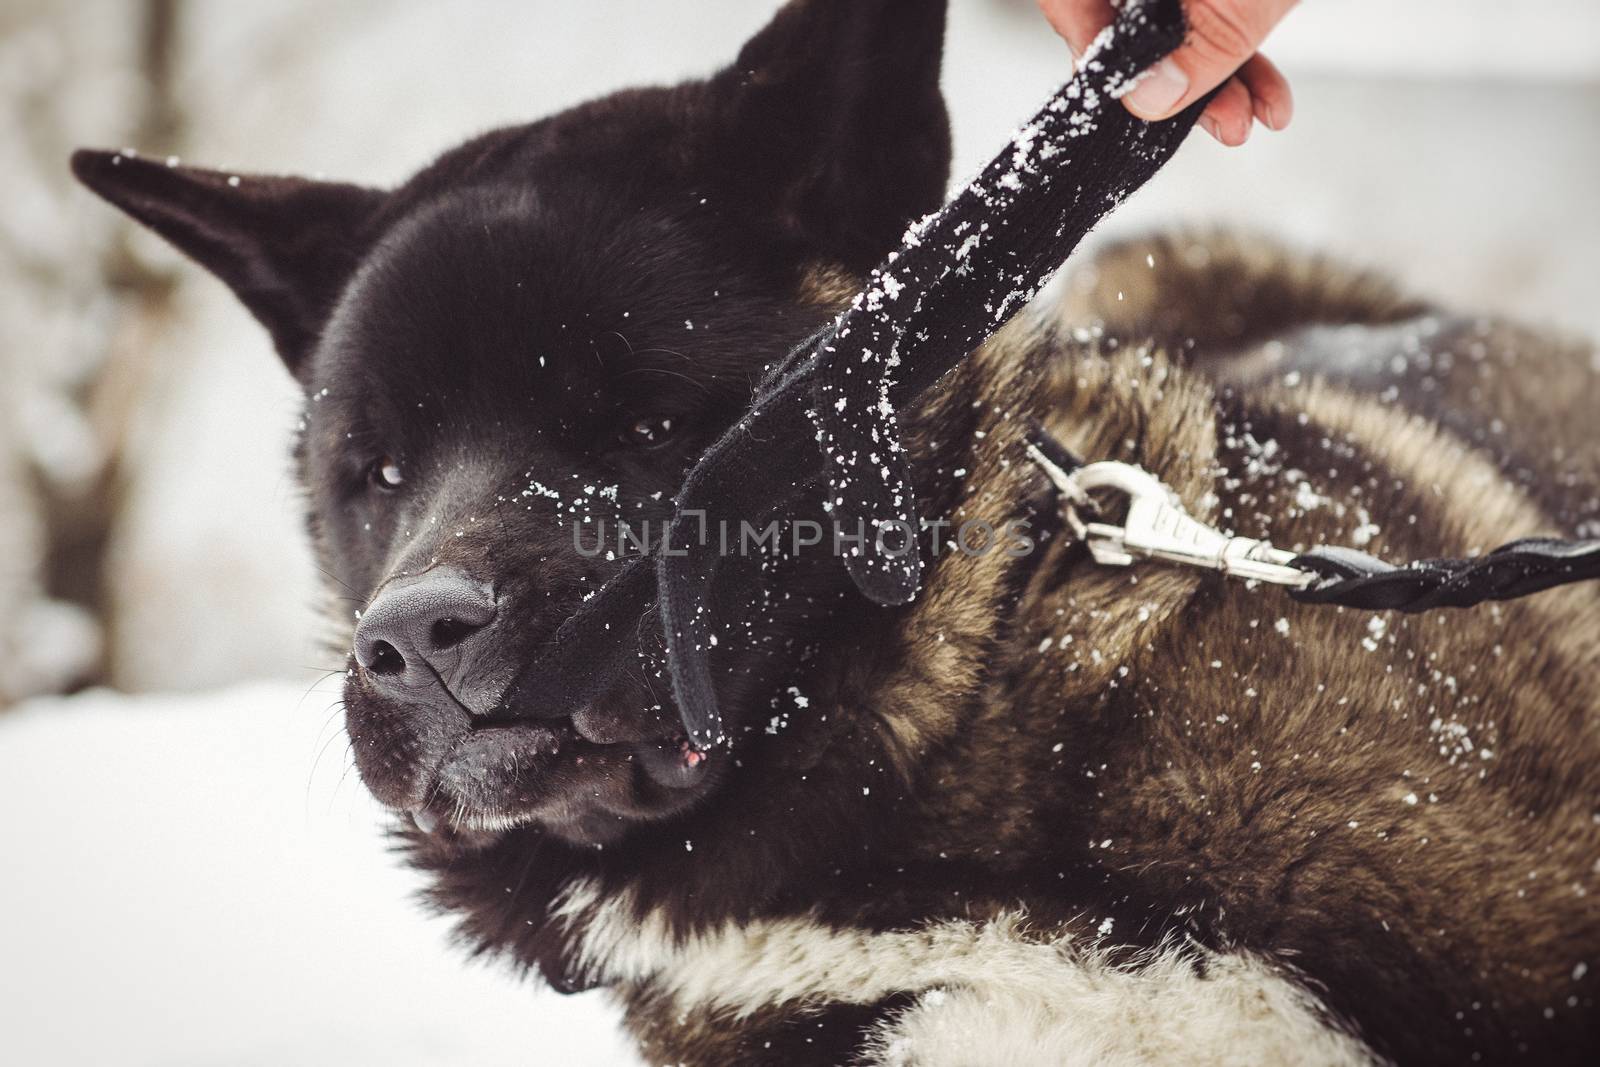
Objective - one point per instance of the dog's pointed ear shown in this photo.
(836, 107)
(286, 246)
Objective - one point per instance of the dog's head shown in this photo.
(530, 341)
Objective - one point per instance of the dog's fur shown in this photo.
(1049, 812)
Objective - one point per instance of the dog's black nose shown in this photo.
(420, 633)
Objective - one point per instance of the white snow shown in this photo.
(196, 880)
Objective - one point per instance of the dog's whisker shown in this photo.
(701, 386)
(326, 573)
(349, 765)
(322, 751)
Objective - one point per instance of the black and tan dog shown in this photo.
(1048, 813)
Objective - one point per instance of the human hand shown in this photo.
(1221, 47)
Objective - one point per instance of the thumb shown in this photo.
(1222, 35)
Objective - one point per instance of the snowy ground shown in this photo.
(194, 880)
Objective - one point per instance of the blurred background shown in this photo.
(194, 875)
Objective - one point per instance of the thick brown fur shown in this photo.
(1399, 811)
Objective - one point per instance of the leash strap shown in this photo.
(1357, 580)
(967, 269)
(958, 277)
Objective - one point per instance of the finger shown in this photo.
(1223, 34)
(1270, 95)
(1078, 21)
(1228, 116)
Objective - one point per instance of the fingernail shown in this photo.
(1270, 118)
(1158, 91)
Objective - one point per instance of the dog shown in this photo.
(1049, 812)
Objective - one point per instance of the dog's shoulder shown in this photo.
(1253, 314)
(1324, 781)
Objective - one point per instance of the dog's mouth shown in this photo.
(586, 778)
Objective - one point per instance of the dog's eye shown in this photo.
(386, 473)
(647, 431)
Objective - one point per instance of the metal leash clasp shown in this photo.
(1157, 526)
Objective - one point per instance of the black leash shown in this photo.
(1519, 569)
(1157, 528)
(958, 277)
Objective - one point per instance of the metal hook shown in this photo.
(1157, 526)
